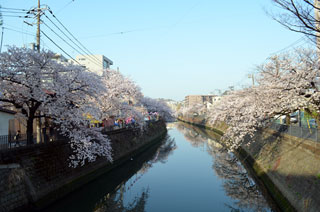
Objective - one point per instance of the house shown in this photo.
(5, 117)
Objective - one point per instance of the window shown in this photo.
(105, 64)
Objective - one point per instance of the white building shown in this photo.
(215, 100)
(95, 63)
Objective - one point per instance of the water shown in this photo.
(188, 171)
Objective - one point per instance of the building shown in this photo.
(5, 116)
(198, 99)
(95, 63)
(60, 58)
(212, 104)
(174, 105)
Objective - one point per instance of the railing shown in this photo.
(297, 131)
(8, 141)
(5, 141)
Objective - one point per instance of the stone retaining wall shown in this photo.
(40, 174)
(288, 166)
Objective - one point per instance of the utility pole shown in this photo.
(252, 77)
(37, 12)
(1, 39)
(39, 137)
(38, 26)
(1, 23)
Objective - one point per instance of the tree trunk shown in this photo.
(318, 121)
(30, 130)
(288, 120)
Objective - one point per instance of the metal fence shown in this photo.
(5, 141)
(297, 131)
(9, 141)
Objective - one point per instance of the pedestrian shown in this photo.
(133, 122)
(116, 124)
(17, 138)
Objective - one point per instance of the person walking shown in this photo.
(17, 138)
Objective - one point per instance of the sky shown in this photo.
(170, 48)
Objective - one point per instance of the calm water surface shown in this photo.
(188, 171)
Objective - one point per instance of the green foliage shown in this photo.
(310, 113)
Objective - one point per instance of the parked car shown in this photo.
(293, 118)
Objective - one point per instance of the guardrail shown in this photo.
(297, 131)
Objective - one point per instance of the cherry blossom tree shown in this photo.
(154, 105)
(121, 96)
(192, 110)
(286, 83)
(37, 86)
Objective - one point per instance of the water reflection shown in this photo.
(115, 201)
(173, 176)
(237, 183)
(195, 137)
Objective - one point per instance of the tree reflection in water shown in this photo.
(114, 201)
(237, 183)
(162, 154)
(195, 137)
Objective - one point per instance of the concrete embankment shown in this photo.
(33, 177)
(289, 167)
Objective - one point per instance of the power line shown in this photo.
(59, 47)
(2, 11)
(67, 42)
(291, 45)
(86, 53)
(7, 8)
(18, 31)
(70, 32)
(65, 6)
(17, 16)
(12, 27)
(121, 32)
(83, 50)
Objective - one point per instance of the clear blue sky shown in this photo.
(174, 47)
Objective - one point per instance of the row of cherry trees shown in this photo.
(285, 83)
(37, 86)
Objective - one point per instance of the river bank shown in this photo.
(33, 177)
(188, 172)
(288, 166)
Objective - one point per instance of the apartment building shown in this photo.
(95, 63)
(198, 99)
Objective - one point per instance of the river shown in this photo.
(189, 170)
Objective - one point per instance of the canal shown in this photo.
(189, 170)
